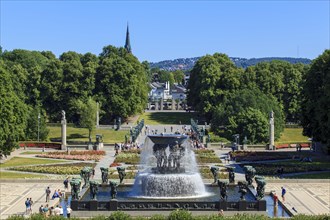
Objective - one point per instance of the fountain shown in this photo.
(168, 179)
(169, 169)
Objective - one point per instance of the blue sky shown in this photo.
(163, 30)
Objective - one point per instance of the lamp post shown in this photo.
(38, 125)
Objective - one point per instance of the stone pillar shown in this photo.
(97, 115)
(63, 131)
(271, 131)
(173, 104)
(156, 105)
(178, 105)
(161, 104)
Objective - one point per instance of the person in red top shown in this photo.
(275, 198)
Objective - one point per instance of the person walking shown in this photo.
(47, 194)
(68, 211)
(66, 183)
(31, 203)
(283, 193)
(27, 206)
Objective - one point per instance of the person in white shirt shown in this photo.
(68, 211)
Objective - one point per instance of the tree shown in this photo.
(231, 112)
(87, 113)
(121, 84)
(178, 76)
(211, 80)
(13, 112)
(34, 123)
(316, 99)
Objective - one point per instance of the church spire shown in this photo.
(127, 42)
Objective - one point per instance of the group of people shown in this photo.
(28, 205)
(275, 197)
(57, 211)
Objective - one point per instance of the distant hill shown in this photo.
(188, 63)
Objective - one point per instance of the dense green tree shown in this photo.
(229, 114)
(147, 69)
(316, 99)
(72, 84)
(178, 76)
(87, 115)
(51, 89)
(90, 64)
(13, 112)
(121, 84)
(36, 121)
(211, 80)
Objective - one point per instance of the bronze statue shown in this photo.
(261, 183)
(250, 172)
(215, 171)
(94, 189)
(104, 173)
(113, 189)
(85, 173)
(223, 189)
(121, 172)
(231, 174)
(75, 184)
(242, 188)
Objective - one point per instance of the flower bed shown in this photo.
(293, 145)
(204, 151)
(258, 156)
(61, 169)
(293, 167)
(115, 165)
(131, 151)
(41, 145)
(128, 158)
(75, 155)
(113, 174)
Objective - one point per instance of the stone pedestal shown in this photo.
(262, 205)
(63, 134)
(161, 104)
(113, 205)
(156, 106)
(90, 146)
(223, 205)
(271, 132)
(74, 204)
(93, 205)
(173, 104)
(242, 205)
(178, 105)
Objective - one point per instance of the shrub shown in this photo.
(158, 217)
(180, 214)
(119, 215)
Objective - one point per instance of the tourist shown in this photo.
(221, 213)
(47, 194)
(31, 203)
(56, 195)
(93, 173)
(68, 211)
(171, 129)
(51, 211)
(57, 211)
(275, 198)
(41, 209)
(283, 193)
(61, 211)
(66, 183)
(46, 211)
(27, 205)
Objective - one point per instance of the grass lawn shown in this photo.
(31, 152)
(81, 134)
(291, 135)
(325, 175)
(154, 118)
(14, 175)
(21, 161)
